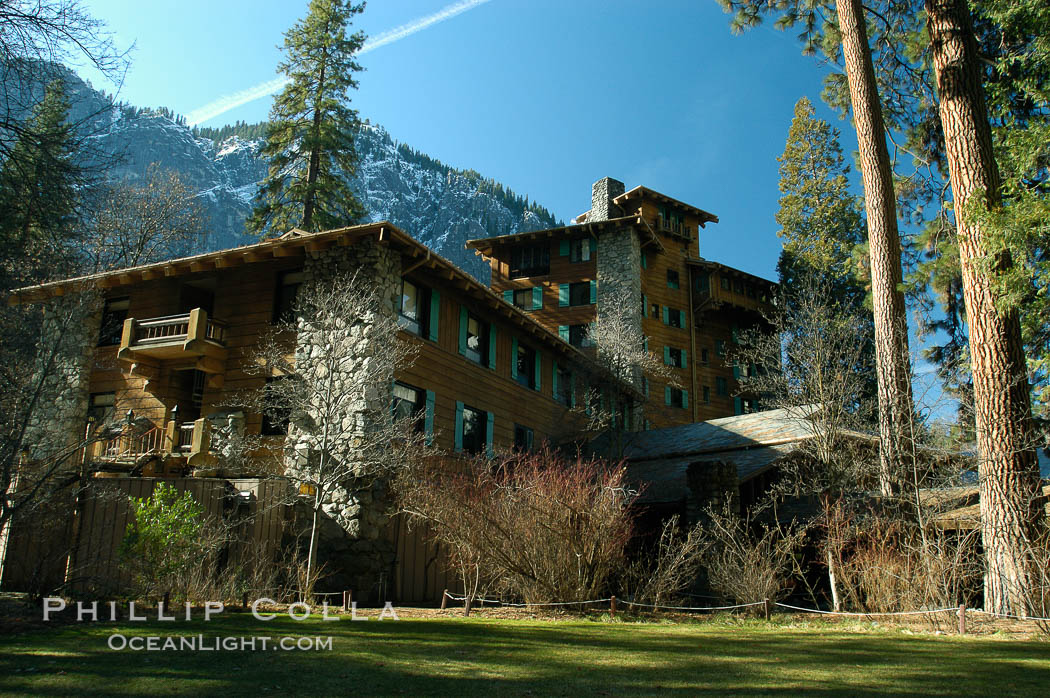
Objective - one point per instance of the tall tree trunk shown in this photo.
(314, 165)
(1008, 470)
(892, 361)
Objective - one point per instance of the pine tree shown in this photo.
(310, 139)
(38, 194)
(822, 232)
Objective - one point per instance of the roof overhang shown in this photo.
(486, 246)
(641, 192)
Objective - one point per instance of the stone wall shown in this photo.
(65, 354)
(356, 508)
(711, 483)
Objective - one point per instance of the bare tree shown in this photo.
(334, 389)
(136, 223)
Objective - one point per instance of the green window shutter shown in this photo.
(463, 330)
(738, 405)
(459, 426)
(667, 356)
(667, 395)
(489, 422)
(514, 358)
(563, 332)
(554, 379)
(537, 297)
(645, 305)
(539, 372)
(492, 346)
(572, 390)
(435, 313)
(736, 371)
(645, 261)
(685, 398)
(508, 296)
(645, 344)
(685, 358)
(667, 315)
(594, 291)
(594, 245)
(645, 386)
(563, 248)
(736, 338)
(563, 295)
(428, 418)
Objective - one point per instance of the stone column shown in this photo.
(357, 508)
(602, 194)
(65, 355)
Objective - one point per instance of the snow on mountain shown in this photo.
(440, 206)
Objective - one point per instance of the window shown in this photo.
(472, 429)
(677, 398)
(721, 386)
(523, 438)
(288, 284)
(563, 386)
(474, 338)
(523, 298)
(409, 403)
(749, 406)
(674, 356)
(276, 412)
(707, 394)
(113, 316)
(724, 282)
(656, 310)
(704, 357)
(720, 347)
(674, 317)
(672, 279)
(580, 293)
(738, 287)
(577, 335)
(414, 313)
(751, 291)
(525, 368)
(580, 250)
(530, 260)
(101, 408)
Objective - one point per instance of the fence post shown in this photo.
(244, 601)
(466, 605)
(767, 608)
(612, 606)
(167, 600)
(444, 599)
(962, 619)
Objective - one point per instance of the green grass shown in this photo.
(441, 656)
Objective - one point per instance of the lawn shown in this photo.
(479, 656)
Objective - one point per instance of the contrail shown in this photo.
(236, 99)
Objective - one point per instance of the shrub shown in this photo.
(168, 545)
(537, 527)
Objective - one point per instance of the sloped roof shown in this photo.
(666, 479)
(485, 246)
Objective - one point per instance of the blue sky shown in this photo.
(541, 95)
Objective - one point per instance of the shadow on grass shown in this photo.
(482, 657)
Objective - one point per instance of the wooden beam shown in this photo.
(126, 279)
(202, 265)
(318, 245)
(171, 270)
(151, 274)
(252, 256)
(287, 251)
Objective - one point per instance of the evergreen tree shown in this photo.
(38, 194)
(310, 139)
(822, 233)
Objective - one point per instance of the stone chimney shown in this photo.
(602, 194)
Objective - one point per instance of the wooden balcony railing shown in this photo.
(674, 227)
(186, 327)
(128, 445)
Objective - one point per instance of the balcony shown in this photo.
(189, 340)
(141, 443)
(672, 227)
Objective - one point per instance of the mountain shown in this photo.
(440, 206)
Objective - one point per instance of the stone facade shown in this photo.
(66, 353)
(357, 507)
(711, 484)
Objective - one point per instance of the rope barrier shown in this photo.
(1005, 615)
(846, 613)
(524, 605)
(694, 608)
